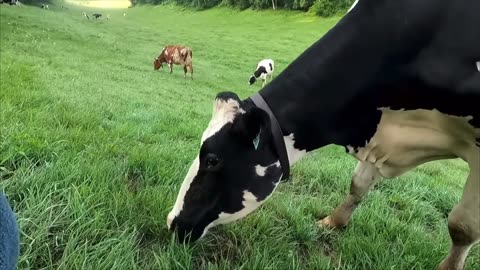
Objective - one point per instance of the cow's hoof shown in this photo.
(447, 265)
(326, 222)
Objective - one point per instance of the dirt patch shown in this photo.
(219, 247)
(133, 178)
(101, 3)
(5, 173)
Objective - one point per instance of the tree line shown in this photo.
(324, 8)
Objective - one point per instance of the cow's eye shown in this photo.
(212, 161)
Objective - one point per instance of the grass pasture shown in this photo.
(94, 146)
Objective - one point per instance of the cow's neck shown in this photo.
(321, 98)
(331, 94)
(312, 98)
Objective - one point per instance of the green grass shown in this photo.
(94, 146)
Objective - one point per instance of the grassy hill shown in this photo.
(94, 146)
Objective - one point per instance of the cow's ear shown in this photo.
(226, 95)
(253, 127)
(227, 103)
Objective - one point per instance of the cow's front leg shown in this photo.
(171, 67)
(464, 220)
(363, 178)
(185, 70)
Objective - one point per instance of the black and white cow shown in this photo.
(264, 69)
(396, 82)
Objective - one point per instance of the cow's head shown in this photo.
(157, 63)
(261, 70)
(235, 171)
(252, 80)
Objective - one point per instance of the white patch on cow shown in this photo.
(478, 66)
(223, 112)
(250, 203)
(407, 138)
(293, 153)
(350, 149)
(261, 170)
(166, 52)
(192, 172)
(207, 228)
(354, 4)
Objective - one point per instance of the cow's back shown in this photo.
(179, 55)
(447, 65)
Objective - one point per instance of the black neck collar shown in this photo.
(277, 133)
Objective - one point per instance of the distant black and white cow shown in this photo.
(84, 14)
(396, 82)
(96, 15)
(264, 68)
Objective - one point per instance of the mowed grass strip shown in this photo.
(94, 146)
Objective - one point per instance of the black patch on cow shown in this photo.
(260, 71)
(265, 184)
(271, 67)
(252, 80)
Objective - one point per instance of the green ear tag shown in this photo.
(256, 141)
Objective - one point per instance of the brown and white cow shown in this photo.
(175, 54)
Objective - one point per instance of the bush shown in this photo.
(327, 8)
(262, 4)
(204, 4)
(241, 4)
(324, 8)
(302, 4)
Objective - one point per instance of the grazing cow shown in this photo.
(175, 54)
(85, 15)
(96, 15)
(396, 82)
(44, 6)
(264, 68)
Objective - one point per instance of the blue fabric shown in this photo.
(9, 236)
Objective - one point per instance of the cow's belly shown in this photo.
(406, 139)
